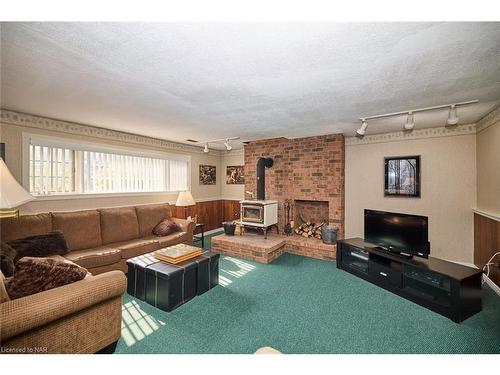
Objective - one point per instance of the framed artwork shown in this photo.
(208, 175)
(402, 176)
(235, 175)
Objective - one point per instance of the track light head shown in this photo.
(452, 115)
(205, 149)
(228, 146)
(362, 130)
(410, 122)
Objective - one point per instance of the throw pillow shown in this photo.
(165, 227)
(7, 256)
(4, 296)
(43, 245)
(34, 275)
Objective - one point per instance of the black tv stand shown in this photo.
(390, 253)
(448, 288)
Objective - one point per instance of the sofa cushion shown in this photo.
(171, 239)
(119, 224)
(35, 275)
(7, 257)
(95, 257)
(41, 245)
(120, 266)
(150, 215)
(24, 226)
(82, 229)
(133, 248)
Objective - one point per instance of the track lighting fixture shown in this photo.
(410, 122)
(452, 115)
(362, 130)
(224, 141)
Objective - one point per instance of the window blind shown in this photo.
(51, 170)
(55, 169)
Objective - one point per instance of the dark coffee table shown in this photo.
(167, 286)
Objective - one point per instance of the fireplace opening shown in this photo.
(252, 213)
(310, 216)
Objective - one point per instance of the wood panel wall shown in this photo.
(211, 213)
(487, 243)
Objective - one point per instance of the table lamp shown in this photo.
(12, 195)
(185, 200)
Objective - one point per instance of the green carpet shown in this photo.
(302, 305)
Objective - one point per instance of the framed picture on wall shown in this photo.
(208, 175)
(402, 176)
(235, 175)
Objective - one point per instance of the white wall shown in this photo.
(448, 182)
(448, 189)
(12, 135)
(232, 192)
(488, 166)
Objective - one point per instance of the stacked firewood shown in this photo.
(309, 229)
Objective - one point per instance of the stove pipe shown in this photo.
(262, 164)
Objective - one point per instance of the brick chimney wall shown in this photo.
(309, 168)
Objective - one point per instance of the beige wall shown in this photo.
(12, 136)
(448, 189)
(448, 182)
(234, 192)
(488, 168)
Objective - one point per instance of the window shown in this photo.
(58, 168)
(51, 170)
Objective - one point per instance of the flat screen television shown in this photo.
(397, 232)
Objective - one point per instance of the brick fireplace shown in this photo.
(308, 171)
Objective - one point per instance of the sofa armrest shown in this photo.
(26, 313)
(187, 226)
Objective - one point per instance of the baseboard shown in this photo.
(463, 263)
(486, 279)
(491, 284)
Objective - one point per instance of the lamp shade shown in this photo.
(185, 199)
(12, 194)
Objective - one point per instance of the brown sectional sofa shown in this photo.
(102, 240)
(85, 316)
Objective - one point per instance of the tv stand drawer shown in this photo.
(386, 273)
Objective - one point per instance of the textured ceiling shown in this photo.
(208, 81)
